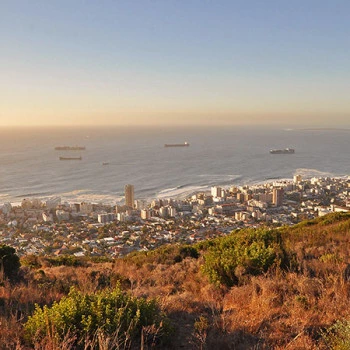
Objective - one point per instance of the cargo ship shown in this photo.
(70, 148)
(282, 151)
(185, 144)
(70, 158)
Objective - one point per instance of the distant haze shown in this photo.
(174, 63)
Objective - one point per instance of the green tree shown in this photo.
(9, 262)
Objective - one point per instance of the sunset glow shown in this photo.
(174, 63)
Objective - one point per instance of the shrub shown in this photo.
(330, 258)
(66, 260)
(32, 261)
(109, 312)
(186, 251)
(9, 262)
(333, 218)
(168, 254)
(253, 251)
(337, 336)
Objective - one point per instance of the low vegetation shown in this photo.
(243, 253)
(253, 289)
(107, 314)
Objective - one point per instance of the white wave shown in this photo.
(6, 198)
(220, 176)
(168, 190)
(92, 198)
(276, 182)
(182, 192)
(308, 173)
(85, 195)
(76, 192)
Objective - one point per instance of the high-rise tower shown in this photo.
(129, 195)
(277, 196)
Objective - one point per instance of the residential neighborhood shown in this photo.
(55, 228)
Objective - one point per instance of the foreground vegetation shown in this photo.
(254, 289)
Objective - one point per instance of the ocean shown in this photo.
(217, 156)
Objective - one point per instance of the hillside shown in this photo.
(284, 288)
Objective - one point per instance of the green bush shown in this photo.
(333, 218)
(112, 313)
(253, 251)
(32, 261)
(168, 254)
(331, 258)
(189, 251)
(337, 336)
(66, 260)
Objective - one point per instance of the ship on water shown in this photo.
(71, 158)
(185, 144)
(70, 148)
(282, 151)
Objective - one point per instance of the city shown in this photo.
(82, 229)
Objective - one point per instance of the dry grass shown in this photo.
(279, 310)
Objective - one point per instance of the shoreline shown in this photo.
(186, 193)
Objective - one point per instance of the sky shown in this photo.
(164, 62)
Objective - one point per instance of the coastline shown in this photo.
(177, 193)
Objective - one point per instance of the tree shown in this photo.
(9, 262)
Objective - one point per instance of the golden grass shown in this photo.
(278, 310)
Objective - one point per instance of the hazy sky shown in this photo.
(66, 62)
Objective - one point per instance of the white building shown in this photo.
(47, 217)
(121, 217)
(217, 192)
(86, 208)
(6, 208)
(172, 212)
(53, 202)
(145, 214)
(62, 215)
(297, 178)
(105, 218)
(163, 212)
(140, 204)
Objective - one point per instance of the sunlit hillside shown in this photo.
(284, 288)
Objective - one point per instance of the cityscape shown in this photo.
(88, 229)
(174, 175)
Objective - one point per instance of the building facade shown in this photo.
(277, 196)
(129, 195)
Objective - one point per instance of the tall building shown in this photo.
(129, 195)
(277, 196)
(217, 192)
(240, 197)
(140, 204)
(163, 212)
(297, 178)
(145, 214)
